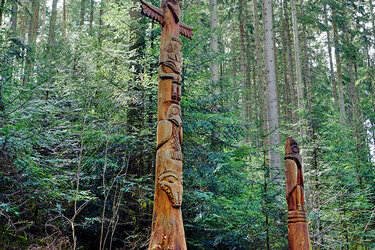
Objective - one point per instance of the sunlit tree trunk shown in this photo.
(259, 63)
(271, 90)
(44, 8)
(331, 70)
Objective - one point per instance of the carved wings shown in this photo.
(156, 14)
(152, 12)
(186, 31)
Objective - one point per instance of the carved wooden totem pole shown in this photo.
(167, 225)
(298, 233)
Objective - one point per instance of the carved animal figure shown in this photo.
(169, 154)
(157, 14)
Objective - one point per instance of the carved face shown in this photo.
(174, 114)
(171, 183)
(174, 6)
(291, 147)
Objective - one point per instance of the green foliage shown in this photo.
(78, 125)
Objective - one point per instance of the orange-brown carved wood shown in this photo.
(167, 226)
(298, 233)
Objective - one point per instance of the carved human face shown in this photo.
(171, 183)
(291, 146)
(174, 114)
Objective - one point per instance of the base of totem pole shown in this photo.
(298, 233)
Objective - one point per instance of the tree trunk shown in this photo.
(331, 70)
(297, 55)
(51, 34)
(64, 21)
(43, 19)
(34, 21)
(2, 3)
(272, 97)
(242, 60)
(290, 63)
(338, 67)
(259, 61)
(287, 114)
(91, 16)
(214, 44)
(82, 13)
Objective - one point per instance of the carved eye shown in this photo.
(171, 180)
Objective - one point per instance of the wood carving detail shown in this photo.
(167, 225)
(298, 234)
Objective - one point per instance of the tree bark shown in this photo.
(338, 67)
(82, 13)
(272, 97)
(64, 21)
(242, 59)
(34, 21)
(297, 55)
(51, 34)
(44, 7)
(91, 16)
(214, 44)
(331, 70)
(290, 63)
(2, 4)
(260, 83)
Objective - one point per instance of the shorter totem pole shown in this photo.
(298, 233)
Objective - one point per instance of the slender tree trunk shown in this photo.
(338, 67)
(82, 13)
(51, 34)
(44, 7)
(272, 97)
(331, 70)
(234, 58)
(2, 3)
(91, 16)
(242, 59)
(259, 61)
(307, 79)
(34, 21)
(64, 21)
(22, 26)
(287, 114)
(290, 64)
(297, 55)
(214, 44)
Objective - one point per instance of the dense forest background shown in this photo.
(78, 101)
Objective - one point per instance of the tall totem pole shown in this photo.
(167, 225)
(298, 233)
